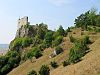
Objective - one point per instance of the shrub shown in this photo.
(48, 39)
(72, 39)
(26, 41)
(3, 61)
(57, 41)
(65, 63)
(54, 64)
(44, 70)
(19, 43)
(9, 61)
(97, 30)
(32, 73)
(5, 69)
(36, 52)
(74, 55)
(68, 30)
(61, 31)
(77, 51)
(14, 58)
(58, 50)
(86, 40)
(16, 44)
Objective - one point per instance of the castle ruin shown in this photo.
(22, 21)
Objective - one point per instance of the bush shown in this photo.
(54, 64)
(86, 40)
(19, 43)
(72, 39)
(61, 31)
(16, 44)
(48, 39)
(68, 30)
(14, 58)
(77, 51)
(57, 41)
(36, 52)
(3, 61)
(26, 41)
(65, 63)
(5, 69)
(32, 73)
(58, 50)
(74, 55)
(9, 61)
(44, 70)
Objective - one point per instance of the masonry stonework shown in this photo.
(22, 21)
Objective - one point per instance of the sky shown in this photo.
(51, 12)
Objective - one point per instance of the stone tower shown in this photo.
(22, 21)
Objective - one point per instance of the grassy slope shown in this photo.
(89, 66)
(24, 68)
(86, 67)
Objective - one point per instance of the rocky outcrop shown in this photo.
(26, 31)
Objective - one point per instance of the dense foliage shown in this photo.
(34, 52)
(57, 41)
(19, 43)
(89, 18)
(9, 61)
(48, 39)
(78, 50)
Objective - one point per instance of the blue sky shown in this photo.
(51, 12)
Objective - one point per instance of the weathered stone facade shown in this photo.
(22, 21)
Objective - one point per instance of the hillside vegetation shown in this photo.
(36, 50)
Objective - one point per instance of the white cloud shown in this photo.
(60, 2)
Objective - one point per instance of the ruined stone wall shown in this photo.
(23, 21)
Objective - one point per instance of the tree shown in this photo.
(86, 19)
(77, 51)
(61, 31)
(34, 52)
(9, 61)
(5, 69)
(57, 41)
(41, 30)
(16, 44)
(44, 70)
(3, 61)
(74, 55)
(37, 53)
(26, 41)
(92, 16)
(83, 20)
(98, 20)
(48, 39)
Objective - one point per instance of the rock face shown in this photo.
(26, 31)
